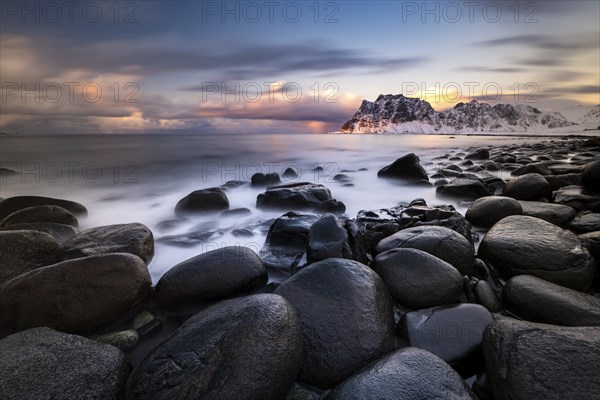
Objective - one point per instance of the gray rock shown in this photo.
(441, 242)
(74, 295)
(134, 238)
(486, 211)
(578, 198)
(591, 241)
(533, 168)
(59, 232)
(43, 364)
(244, 349)
(260, 179)
(464, 189)
(12, 204)
(52, 214)
(479, 154)
(346, 317)
(406, 169)
(417, 279)
(210, 276)
(590, 176)
(558, 181)
(302, 196)
(534, 361)
(24, 251)
(521, 245)
(585, 222)
(487, 297)
(528, 187)
(123, 340)
(328, 238)
(407, 374)
(202, 201)
(537, 300)
(557, 214)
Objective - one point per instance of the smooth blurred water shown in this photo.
(140, 178)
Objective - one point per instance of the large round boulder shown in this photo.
(328, 238)
(486, 211)
(346, 316)
(528, 187)
(24, 251)
(407, 374)
(537, 300)
(439, 241)
(244, 349)
(53, 214)
(74, 295)
(303, 196)
(406, 168)
(590, 176)
(210, 276)
(464, 189)
(521, 245)
(12, 204)
(528, 361)
(59, 232)
(479, 154)
(202, 201)
(136, 239)
(42, 363)
(417, 279)
(557, 214)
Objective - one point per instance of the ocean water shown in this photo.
(140, 178)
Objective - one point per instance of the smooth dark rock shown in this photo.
(417, 279)
(521, 245)
(453, 333)
(590, 176)
(133, 238)
(479, 154)
(50, 214)
(210, 276)
(407, 374)
(43, 364)
(59, 232)
(578, 198)
(534, 361)
(299, 196)
(558, 181)
(556, 214)
(12, 204)
(24, 251)
(585, 222)
(237, 212)
(486, 211)
(260, 179)
(74, 295)
(528, 187)
(486, 296)
(441, 242)
(346, 318)
(591, 241)
(537, 300)
(406, 168)
(463, 188)
(328, 238)
(290, 173)
(202, 201)
(245, 349)
(534, 168)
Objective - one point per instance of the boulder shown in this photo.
(303, 196)
(133, 238)
(479, 154)
(464, 189)
(441, 242)
(59, 232)
(585, 222)
(346, 318)
(202, 201)
(591, 241)
(407, 374)
(24, 251)
(210, 276)
(12, 204)
(123, 340)
(42, 363)
(590, 176)
(406, 169)
(537, 300)
(74, 295)
(246, 348)
(521, 245)
(260, 179)
(528, 187)
(528, 361)
(556, 214)
(417, 279)
(52, 214)
(486, 211)
(578, 198)
(486, 296)
(558, 181)
(328, 238)
(534, 168)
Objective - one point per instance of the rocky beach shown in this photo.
(413, 301)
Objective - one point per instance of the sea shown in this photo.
(140, 178)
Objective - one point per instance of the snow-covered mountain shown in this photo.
(399, 114)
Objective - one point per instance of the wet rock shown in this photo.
(528, 187)
(210, 276)
(236, 212)
(260, 179)
(537, 300)
(407, 374)
(351, 327)
(190, 239)
(328, 238)
(578, 198)
(406, 169)
(558, 181)
(49, 214)
(529, 361)
(585, 222)
(202, 202)
(59, 232)
(479, 154)
(12, 204)
(521, 245)
(441, 242)
(24, 251)
(486, 211)
(591, 241)
(556, 214)
(300, 196)
(290, 173)
(417, 279)
(534, 168)
(246, 348)
(463, 188)
(74, 295)
(590, 176)
(133, 238)
(42, 363)
(486, 296)
(342, 178)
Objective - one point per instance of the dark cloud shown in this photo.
(580, 89)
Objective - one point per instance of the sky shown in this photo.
(208, 67)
